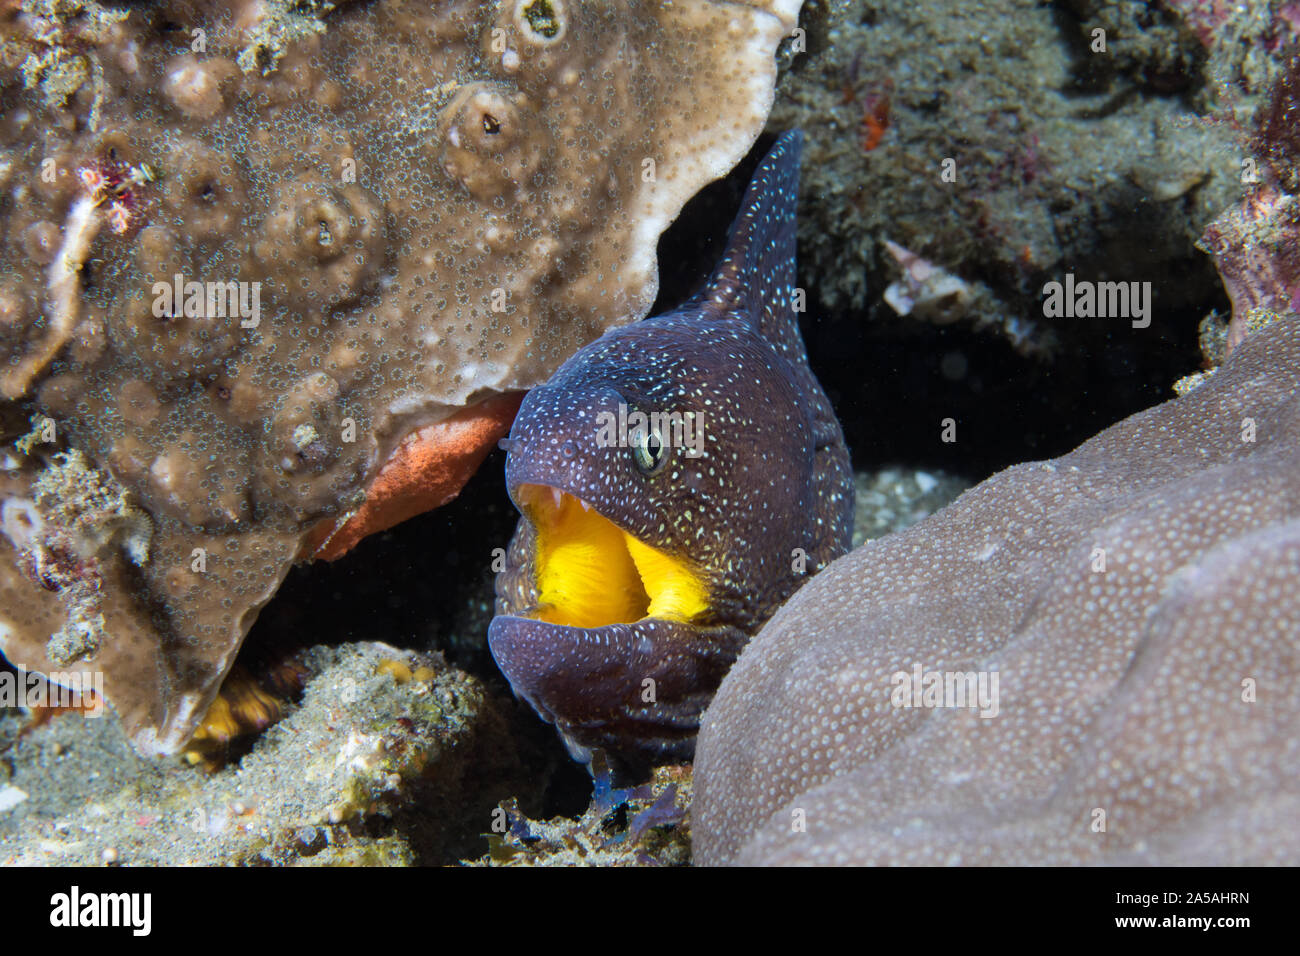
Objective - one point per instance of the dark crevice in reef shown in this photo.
(893, 383)
(894, 380)
(427, 585)
(1166, 60)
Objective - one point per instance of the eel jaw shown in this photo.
(634, 690)
(613, 652)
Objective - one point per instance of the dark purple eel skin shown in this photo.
(767, 503)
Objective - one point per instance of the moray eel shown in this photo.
(678, 479)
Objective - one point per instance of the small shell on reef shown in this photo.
(925, 290)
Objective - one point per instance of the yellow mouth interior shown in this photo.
(591, 573)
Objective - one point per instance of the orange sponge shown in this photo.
(424, 472)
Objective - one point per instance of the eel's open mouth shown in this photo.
(591, 573)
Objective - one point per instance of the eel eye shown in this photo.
(648, 450)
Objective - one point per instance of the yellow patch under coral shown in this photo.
(241, 708)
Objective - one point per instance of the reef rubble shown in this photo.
(392, 757)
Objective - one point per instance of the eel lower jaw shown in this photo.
(615, 651)
(636, 690)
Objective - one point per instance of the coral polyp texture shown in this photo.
(250, 249)
(1127, 617)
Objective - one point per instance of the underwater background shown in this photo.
(958, 159)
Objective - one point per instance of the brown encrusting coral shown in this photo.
(249, 248)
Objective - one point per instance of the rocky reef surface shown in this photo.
(961, 155)
(391, 756)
